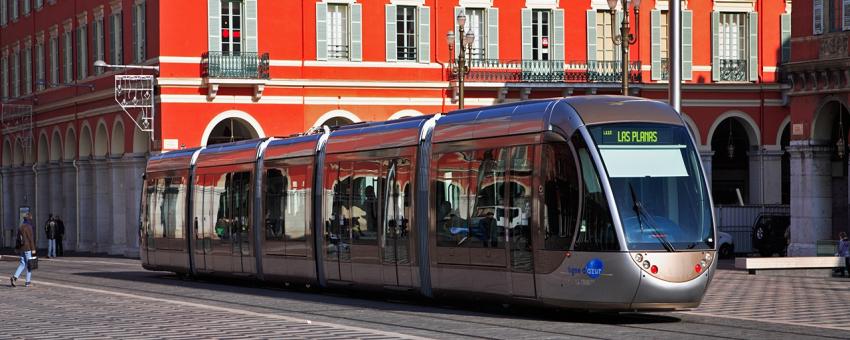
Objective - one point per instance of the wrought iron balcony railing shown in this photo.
(549, 71)
(237, 65)
(733, 69)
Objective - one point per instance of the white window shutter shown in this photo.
(214, 24)
(591, 35)
(618, 20)
(390, 19)
(715, 46)
(424, 34)
(356, 32)
(251, 33)
(493, 33)
(785, 29)
(753, 61)
(655, 37)
(526, 34)
(3, 11)
(845, 15)
(817, 13)
(558, 26)
(687, 45)
(321, 31)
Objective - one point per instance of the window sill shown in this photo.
(213, 85)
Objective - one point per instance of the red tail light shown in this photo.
(654, 269)
(698, 268)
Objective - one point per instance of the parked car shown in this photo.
(727, 246)
(770, 234)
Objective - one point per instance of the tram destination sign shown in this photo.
(630, 135)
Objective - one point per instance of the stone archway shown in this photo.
(830, 129)
(117, 142)
(70, 144)
(43, 149)
(18, 153)
(231, 130)
(56, 147)
(7, 153)
(336, 118)
(731, 140)
(85, 142)
(101, 141)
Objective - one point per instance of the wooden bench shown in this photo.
(800, 266)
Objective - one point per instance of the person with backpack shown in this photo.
(25, 244)
(50, 231)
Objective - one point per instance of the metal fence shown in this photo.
(738, 221)
(240, 65)
(549, 71)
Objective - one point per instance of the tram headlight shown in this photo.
(707, 257)
(639, 258)
(646, 264)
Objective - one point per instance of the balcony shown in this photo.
(235, 69)
(549, 71)
(235, 65)
(733, 70)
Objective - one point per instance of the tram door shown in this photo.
(338, 223)
(519, 220)
(230, 217)
(395, 224)
(201, 228)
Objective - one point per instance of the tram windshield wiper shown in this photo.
(640, 211)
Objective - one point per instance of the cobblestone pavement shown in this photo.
(114, 298)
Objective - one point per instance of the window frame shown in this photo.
(404, 52)
(228, 43)
(538, 52)
(343, 51)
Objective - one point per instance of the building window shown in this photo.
(4, 74)
(98, 43)
(663, 38)
(16, 74)
(406, 32)
(27, 52)
(38, 4)
(26, 7)
(231, 26)
(475, 24)
(139, 28)
(54, 60)
(540, 34)
(338, 21)
(116, 40)
(732, 46)
(39, 66)
(67, 58)
(4, 9)
(13, 10)
(82, 51)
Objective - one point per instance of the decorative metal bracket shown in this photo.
(136, 92)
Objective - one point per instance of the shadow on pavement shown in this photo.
(381, 300)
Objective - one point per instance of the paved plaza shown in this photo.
(101, 298)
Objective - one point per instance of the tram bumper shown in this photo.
(657, 294)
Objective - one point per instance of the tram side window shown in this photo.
(488, 221)
(232, 193)
(286, 195)
(149, 209)
(365, 202)
(173, 207)
(596, 230)
(452, 195)
(561, 196)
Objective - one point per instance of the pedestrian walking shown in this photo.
(50, 231)
(844, 251)
(60, 235)
(25, 245)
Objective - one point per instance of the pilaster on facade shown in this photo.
(811, 196)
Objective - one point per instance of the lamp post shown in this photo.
(461, 68)
(624, 39)
(135, 92)
(103, 64)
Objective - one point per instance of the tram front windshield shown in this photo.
(657, 183)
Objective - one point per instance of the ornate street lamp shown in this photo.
(840, 144)
(624, 39)
(460, 68)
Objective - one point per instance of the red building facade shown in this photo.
(231, 69)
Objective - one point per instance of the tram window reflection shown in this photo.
(489, 219)
(561, 196)
(171, 194)
(451, 191)
(596, 230)
(518, 224)
(364, 202)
